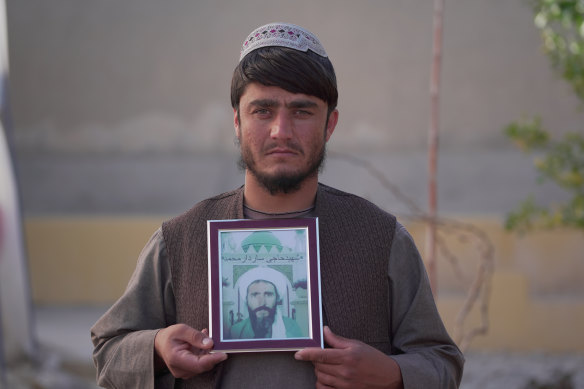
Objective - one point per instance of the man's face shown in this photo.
(282, 135)
(261, 294)
(261, 304)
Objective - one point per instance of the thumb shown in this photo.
(198, 339)
(334, 340)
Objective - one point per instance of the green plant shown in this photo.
(562, 30)
(558, 160)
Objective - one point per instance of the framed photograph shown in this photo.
(264, 285)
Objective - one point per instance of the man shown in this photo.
(263, 300)
(382, 327)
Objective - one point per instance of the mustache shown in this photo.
(264, 308)
(289, 144)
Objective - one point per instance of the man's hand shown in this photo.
(185, 351)
(351, 364)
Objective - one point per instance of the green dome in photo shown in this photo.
(259, 239)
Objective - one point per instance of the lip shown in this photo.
(281, 151)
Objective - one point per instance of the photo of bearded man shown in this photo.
(264, 320)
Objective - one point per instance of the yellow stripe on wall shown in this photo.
(537, 300)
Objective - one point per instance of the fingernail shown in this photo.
(298, 356)
(206, 341)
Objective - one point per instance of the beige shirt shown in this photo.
(124, 336)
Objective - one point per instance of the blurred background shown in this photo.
(120, 119)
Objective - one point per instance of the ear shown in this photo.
(331, 124)
(236, 123)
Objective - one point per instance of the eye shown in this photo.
(261, 111)
(302, 112)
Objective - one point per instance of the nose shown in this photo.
(281, 126)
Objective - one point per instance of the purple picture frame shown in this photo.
(281, 255)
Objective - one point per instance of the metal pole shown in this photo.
(431, 252)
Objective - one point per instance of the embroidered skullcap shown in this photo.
(262, 273)
(283, 35)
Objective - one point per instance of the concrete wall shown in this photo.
(537, 299)
(145, 75)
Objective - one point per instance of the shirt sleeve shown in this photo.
(123, 338)
(425, 353)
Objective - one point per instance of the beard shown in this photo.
(284, 182)
(262, 326)
(288, 182)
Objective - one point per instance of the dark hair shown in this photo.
(289, 69)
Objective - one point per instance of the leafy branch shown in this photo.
(562, 30)
(560, 161)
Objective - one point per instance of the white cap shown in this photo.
(262, 273)
(283, 35)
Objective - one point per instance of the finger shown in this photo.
(328, 369)
(334, 340)
(323, 386)
(198, 339)
(208, 361)
(191, 364)
(319, 355)
(199, 350)
(324, 380)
